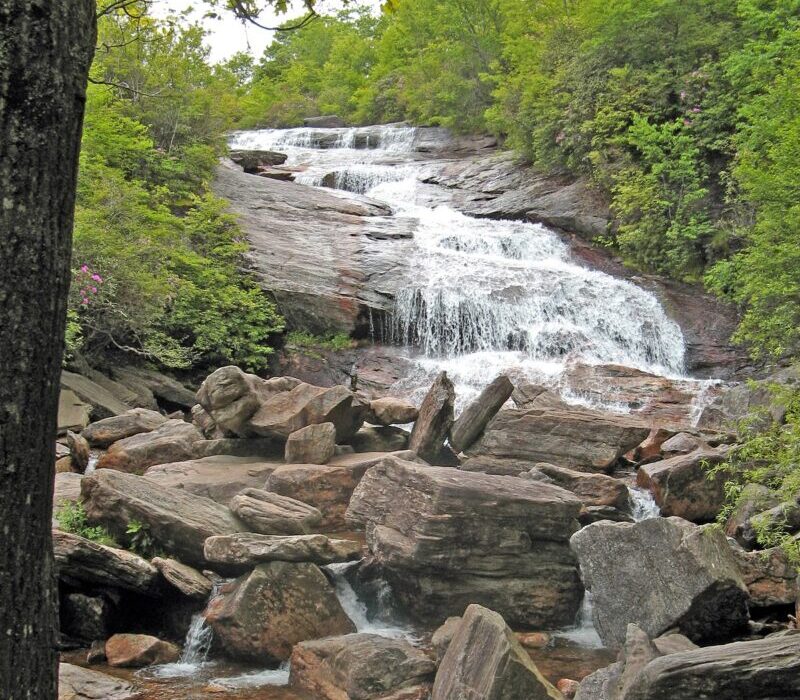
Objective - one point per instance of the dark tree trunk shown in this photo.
(45, 50)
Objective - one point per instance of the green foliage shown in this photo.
(141, 540)
(71, 517)
(308, 341)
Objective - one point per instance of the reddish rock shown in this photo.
(568, 687)
(314, 444)
(137, 650)
(592, 489)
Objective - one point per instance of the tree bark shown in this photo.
(46, 47)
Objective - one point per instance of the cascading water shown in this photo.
(643, 505)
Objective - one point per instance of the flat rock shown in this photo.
(104, 432)
(172, 441)
(263, 614)
(219, 477)
(165, 388)
(314, 444)
(592, 489)
(469, 426)
(358, 667)
(435, 418)
(660, 574)
(485, 661)
(766, 669)
(189, 581)
(138, 650)
(445, 538)
(270, 513)
(682, 486)
(326, 487)
(103, 402)
(78, 683)
(81, 561)
(179, 522)
(571, 437)
(391, 410)
(245, 550)
(73, 414)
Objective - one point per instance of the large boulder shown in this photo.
(272, 514)
(77, 683)
(327, 487)
(189, 581)
(80, 562)
(172, 441)
(179, 522)
(84, 617)
(446, 538)
(570, 437)
(485, 661)
(314, 444)
(659, 574)
(770, 577)
(592, 489)
(67, 490)
(380, 439)
(474, 418)
(434, 419)
(684, 486)
(219, 477)
(765, 669)
(104, 432)
(253, 162)
(391, 410)
(104, 403)
(73, 414)
(137, 650)
(263, 614)
(245, 550)
(358, 667)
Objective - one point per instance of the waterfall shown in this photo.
(583, 633)
(643, 505)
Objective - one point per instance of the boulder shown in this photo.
(77, 683)
(485, 661)
(167, 390)
(770, 577)
(104, 403)
(272, 514)
(357, 667)
(602, 684)
(257, 449)
(766, 669)
(190, 582)
(80, 561)
(172, 441)
(592, 489)
(263, 614)
(785, 517)
(67, 490)
(206, 424)
(683, 485)
(443, 635)
(104, 432)
(245, 550)
(219, 478)
(593, 514)
(78, 451)
(469, 426)
(445, 538)
(138, 650)
(253, 161)
(179, 522)
(687, 575)
(650, 449)
(326, 487)
(73, 414)
(680, 444)
(314, 444)
(570, 437)
(434, 419)
(373, 439)
(83, 617)
(390, 410)
(753, 499)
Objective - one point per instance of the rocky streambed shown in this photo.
(501, 492)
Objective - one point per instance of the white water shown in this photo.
(643, 505)
(583, 634)
(483, 296)
(356, 610)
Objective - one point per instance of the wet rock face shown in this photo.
(687, 575)
(446, 538)
(485, 661)
(138, 650)
(765, 669)
(683, 485)
(262, 615)
(358, 667)
(570, 437)
(179, 522)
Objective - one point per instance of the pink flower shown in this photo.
(683, 94)
(84, 268)
(696, 110)
(84, 301)
(97, 277)
(94, 290)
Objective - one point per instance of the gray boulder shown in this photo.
(179, 522)
(190, 582)
(474, 418)
(358, 667)
(104, 432)
(445, 538)
(83, 617)
(485, 661)
(660, 574)
(592, 489)
(272, 514)
(77, 683)
(314, 444)
(263, 614)
(434, 420)
(390, 410)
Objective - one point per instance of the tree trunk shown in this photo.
(46, 47)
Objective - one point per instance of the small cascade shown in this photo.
(355, 608)
(255, 679)
(643, 505)
(583, 634)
